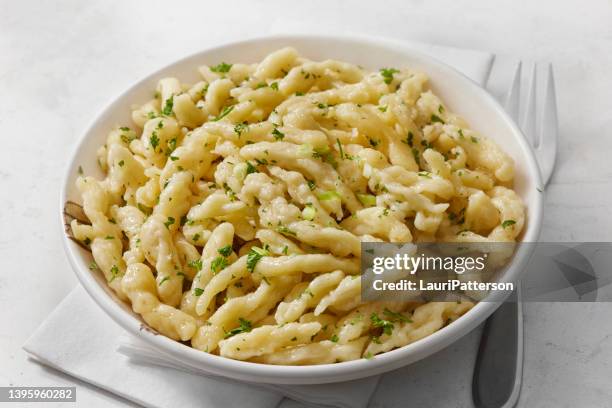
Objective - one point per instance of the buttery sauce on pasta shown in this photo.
(233, 209)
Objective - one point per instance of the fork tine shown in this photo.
(548, 129)
(513, 96)
(528, 125)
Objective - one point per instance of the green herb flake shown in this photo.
(166, 278)
(226, 111)
(240, 128)
(225, 251)
(436, 118)
(274, 85)
(245, 326)
(334, 338)
(395, 316)
(508, 223)
(167, 111)
(278, 135)
(218, 264)
(114, 273)
(284, 230)
(196, 263)
(169, 222)
(386, 325)
(198, 291)
(342, 156)
(254, 255)
(311, 184)
(154, 140)
(387, 74)
(250, 168)
(121, 163)
(221, 68)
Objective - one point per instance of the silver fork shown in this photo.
(499, 364)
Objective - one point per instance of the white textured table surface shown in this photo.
(61, 62)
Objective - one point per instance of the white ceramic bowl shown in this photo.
(460, 94)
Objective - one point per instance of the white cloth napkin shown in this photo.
(79, 339)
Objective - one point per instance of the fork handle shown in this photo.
(499, 365)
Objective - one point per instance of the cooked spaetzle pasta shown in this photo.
(233, 209)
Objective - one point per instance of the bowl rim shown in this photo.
(309, 374)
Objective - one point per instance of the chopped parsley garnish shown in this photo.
(154, 140)
(109, 237)
(226, 111)
(436, 118)
(93, 266)
(409, 139)
(386, 325)
(114, 273)
(250, 168)
(230, 193)
(334, 338)
(340, 148)
(164, 280)
(387, 74)
(261, 85)
(124, 129)
(299, 94)
(167, 111)
(240, 128)
(311, 184)
(245, 327)
(440, 109)
(169, 222)
(382, 108)
(196, 263)
(508, 223)
(473, 139)
(198, 291)
(368, 355)
(278, 135)
(225, 251)
(415, 153)
(221, 68)
(284, 230)
(80, 170)
(218, 264)
(425, 174)
(274, 85)
(395, 316)
(121, 163)
(254, 255)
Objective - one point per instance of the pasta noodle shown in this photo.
(233, 209)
